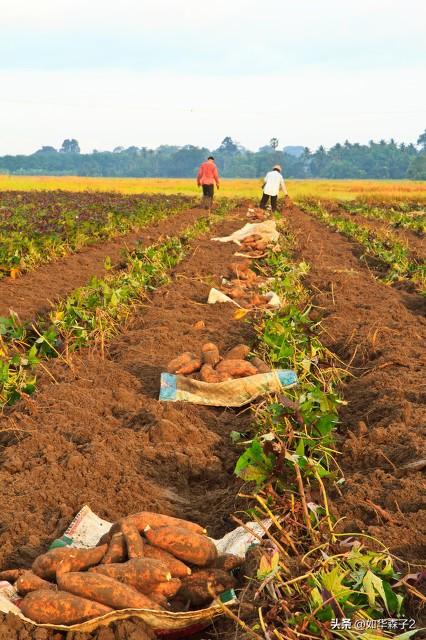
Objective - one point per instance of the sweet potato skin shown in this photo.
(190, 367)
(187, 546)
(59, 607)
(117, 549)
(45, 565)
(174, 365)
(228, 562)
(105, 590)
(236, 368)
(140, 573)
(177, 568)
(239, 352)
(167, 589)
(260, 365)
(28, 582)
(196, 588)
(133, 539)
(156, 520)
(210, 354)
(11, 575)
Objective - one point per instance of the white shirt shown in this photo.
(273, 183)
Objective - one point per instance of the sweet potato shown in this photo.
(45, 565)
(180, 361)
(190, 367)
(236, 368)
(260, 365)
(117, 549)
(210, 354)
(187, 546)
(202, 586)
(59, 607)
(11, 575)
(240, 352)
(156, 520)
(140, 573)
(236, 292)
(177, 568)
(105, 590)
(167, 589)
(159, 599)
(228, 562)
(208, 374)
(134, 542)
(28, 581)
(254, 237)
(238, 269)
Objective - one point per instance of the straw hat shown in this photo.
(277, 166)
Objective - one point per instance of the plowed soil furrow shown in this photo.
(33, 293)
(416, 244)
(100, 436)
(383, 427)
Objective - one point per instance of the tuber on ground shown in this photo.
(239, 352)
(210, 354)
(134, 542)
(60, 607)
(180, 361)
(187, 546)
(28, 581)
(45, 565)
(236, 368)
(140, 573)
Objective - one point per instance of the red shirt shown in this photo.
(207, 173)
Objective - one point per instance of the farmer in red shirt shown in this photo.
(206, 178)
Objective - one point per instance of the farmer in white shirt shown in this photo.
(271, 187)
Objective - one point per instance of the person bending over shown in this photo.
(271, 187)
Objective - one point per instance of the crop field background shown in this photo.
(339, 189)
(104, 281)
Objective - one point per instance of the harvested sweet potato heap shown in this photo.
(244, 286)
(145, 561)
(210, 366)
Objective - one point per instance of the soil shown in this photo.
(381, 333)
(100, 437)
(35, 292)
(413, 241)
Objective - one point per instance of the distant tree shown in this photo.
(47, 149)
(417, 168)
(70, 146)
(274, 142)
(228, 145)
(118, 149)
(421, 141)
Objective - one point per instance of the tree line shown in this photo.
(376, 160)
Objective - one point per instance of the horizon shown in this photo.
(145, 75)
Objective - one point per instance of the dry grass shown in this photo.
(332, 189)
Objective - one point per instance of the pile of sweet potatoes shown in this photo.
(243, 286)
(210, 366)
(145, 561)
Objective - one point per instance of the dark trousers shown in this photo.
(264, 201)
(208, 190)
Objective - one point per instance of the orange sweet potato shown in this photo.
(228, 562)
(156, 520)
(240, 352)
(236, 368)
(177, 568)
(202, 586)
(105, 590)
(178, 362)
(11, 575)
(28, 581)
(167, 589)
(238, 269)
(134, 542)
(190, 367)
(260, 365)
(59, 607)
(210, 354)
(45, 565)
(117, 549)
(140, 573)
(187, 546)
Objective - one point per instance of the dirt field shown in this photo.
(100, 437)
(381, 331)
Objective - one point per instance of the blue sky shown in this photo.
(150, 73)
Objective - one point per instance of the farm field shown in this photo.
(101, 289)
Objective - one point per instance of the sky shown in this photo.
(133, 72)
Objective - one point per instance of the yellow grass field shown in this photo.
(333, 189)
